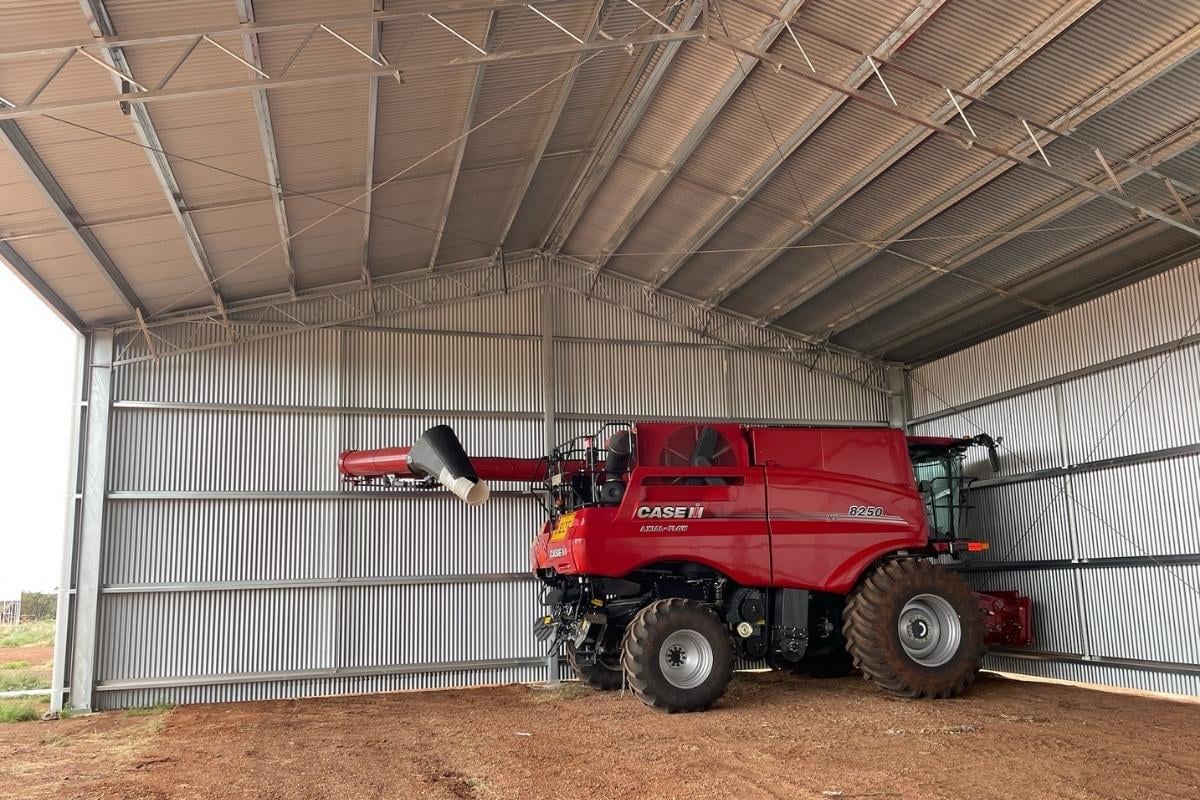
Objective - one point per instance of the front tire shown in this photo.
(915, 630)
(677, 656)
(601, 676)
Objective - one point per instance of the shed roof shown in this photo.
(898, 177)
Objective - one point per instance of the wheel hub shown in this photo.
(930, 630)
(686, 659)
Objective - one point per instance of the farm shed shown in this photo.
(284, 229)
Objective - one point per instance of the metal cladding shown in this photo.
(1093, 511)
(225, 576)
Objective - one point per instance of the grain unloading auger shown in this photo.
(671, 549)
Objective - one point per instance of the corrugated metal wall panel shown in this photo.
(1135, 427)
(1160, 309)
(274, 579)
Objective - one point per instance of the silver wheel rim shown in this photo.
(930, 630)
(686, 659)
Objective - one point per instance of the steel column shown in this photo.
(549, 405)
(66, 568)
(91, 527)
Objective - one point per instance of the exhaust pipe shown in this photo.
(438, 454)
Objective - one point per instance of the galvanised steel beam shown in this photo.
(720, 326)
(560, 102)
(39, 174)
(1141, 664)
(1108, 246)
(1164, 59)
(607, 151)
(1017, 55)
(898, 38)
(294, 25)
(66, 569)
(1169, 147)
(329, 307)
(745, 65)
(136, 97)
(1113, 363)
(30, 278)
(94, 491)
(266, 134)
(317, 583)
(102, 27)
(315, 674)
(461, 150)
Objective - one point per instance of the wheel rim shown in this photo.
(686, 659)
(930, 630)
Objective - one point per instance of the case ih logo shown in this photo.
(670, 512)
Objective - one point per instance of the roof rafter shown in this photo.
(560, 102)
(745, 65)
(135, 96)
(605, 155)
(101, 26)
(39, 174)
(1185, 139)
(1143, 72)
(899, 37)
(266, 132)
(461, 150)
(1016, 56)
(38, 286)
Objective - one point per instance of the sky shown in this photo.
(37, 362)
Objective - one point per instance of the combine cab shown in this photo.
(672, 549)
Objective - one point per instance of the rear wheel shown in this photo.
(605, 675)
(677, 656)
(915, 629)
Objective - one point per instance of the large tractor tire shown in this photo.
(677, 656)
(915, 629)
(603, 676)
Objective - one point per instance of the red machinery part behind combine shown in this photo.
(671, 549)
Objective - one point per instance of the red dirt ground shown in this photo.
(34, 656)
(773, 736)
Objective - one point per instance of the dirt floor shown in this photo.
(773, 736)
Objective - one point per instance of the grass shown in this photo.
(15, 665)
(28, 634)
(19, 680)
(160, 707)
(22, 709)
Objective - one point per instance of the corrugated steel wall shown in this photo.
(235, 567)
(1094, 512)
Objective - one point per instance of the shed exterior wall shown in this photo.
(1093, 513)
(235, 566)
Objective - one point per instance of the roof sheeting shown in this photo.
(699, 171)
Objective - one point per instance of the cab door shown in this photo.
(837, 499)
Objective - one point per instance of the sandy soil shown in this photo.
(773, 736)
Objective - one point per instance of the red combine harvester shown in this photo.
(672, 549)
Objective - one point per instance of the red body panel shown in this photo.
(805, 508)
